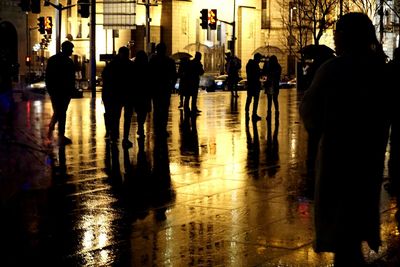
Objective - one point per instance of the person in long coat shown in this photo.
(347, 102)
(193, 73)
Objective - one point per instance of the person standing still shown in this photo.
(232, 67)
(272, 70)
(195, 70)
(253, 73)
(60, 84)
(352, 145)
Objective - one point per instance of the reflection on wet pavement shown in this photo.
(219, 191)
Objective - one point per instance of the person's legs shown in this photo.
(115, 118)
(255, 105)
(186, 104)
(194, 99)
(248, 102)
(128, 112)
(62, 117)
(269, 105)
(276, 102)
(141, 117)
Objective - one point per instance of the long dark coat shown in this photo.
(347, 103)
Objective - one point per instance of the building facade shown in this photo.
(253, 25)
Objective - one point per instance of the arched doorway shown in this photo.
(9, 45)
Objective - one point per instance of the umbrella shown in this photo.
(268, 50)
(198, 47)
(317, 51)
(179, 55)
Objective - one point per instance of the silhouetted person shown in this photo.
(347, 102)
(60, 84)
(118, 91)
(183, 79)
(253, 72)
(272, 70)
(142, 96)
(232, 68)
(162, 69)
(195, 70)
(394, 158)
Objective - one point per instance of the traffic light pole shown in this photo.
(59, 7)
(148, 20)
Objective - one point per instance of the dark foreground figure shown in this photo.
(348, 104)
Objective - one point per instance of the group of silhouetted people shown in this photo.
(268, 78)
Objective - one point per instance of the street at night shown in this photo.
(217, 192)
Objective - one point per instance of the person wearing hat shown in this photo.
(253, 73)
(60, 84)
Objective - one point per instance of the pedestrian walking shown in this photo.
(162, 67)
(60, 84)
(232, 68)
(348, 103)
(194, 71)
(118, 94)
(272, 71)
(253, 73)
(142, 97)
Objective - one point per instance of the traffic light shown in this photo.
(48, 24)
(25, 5)
(83, 8)
(204, 18)
(27, 60)
(35, 6)
(41, 25)
(213, 19)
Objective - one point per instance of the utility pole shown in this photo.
(59, 7)
(93, 48)
(148, 20)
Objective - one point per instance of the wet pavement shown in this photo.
(217, 192)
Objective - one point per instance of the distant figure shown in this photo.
(232, 67)
(60, 84)
(253, 73)
(394, 158)
(272, 70)
(194, 71)
(118, 94)
(142, 97)
(183, 82)
(162, 68)
(347, 103)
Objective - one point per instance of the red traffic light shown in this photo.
(213, 19)
(48, 24)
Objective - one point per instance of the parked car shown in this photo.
(220, 82)
(288, 84)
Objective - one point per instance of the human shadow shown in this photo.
(189, 137)
(253, 150)
(272, 148)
